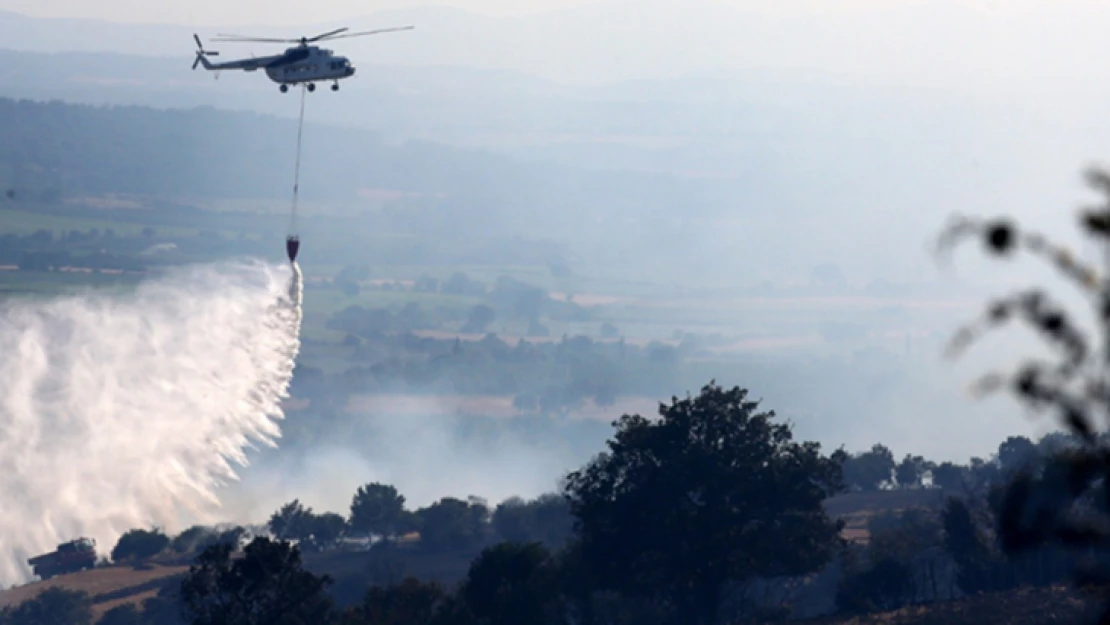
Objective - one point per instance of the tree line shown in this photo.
(46, 250)
(877, 468)
(676, 521)
(958, 545)
(677, 511)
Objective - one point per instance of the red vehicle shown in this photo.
(76, 555)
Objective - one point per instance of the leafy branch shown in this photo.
(1066, 500)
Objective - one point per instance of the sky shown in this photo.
(290, 12)
(279, 12)
(963, 42)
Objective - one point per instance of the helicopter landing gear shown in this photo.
(311, 86)
(335, 87)
(284, 88)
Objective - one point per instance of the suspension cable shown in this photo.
(297, 170)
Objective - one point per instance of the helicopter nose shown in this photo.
(350, 71)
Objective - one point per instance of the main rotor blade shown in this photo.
(335, 34)
(327, 34)
(197, 39)
(258, 39)
(372, 32)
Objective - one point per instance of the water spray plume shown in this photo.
(131, 410)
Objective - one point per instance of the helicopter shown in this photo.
(303, 64)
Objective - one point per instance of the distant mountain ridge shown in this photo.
(204, 152)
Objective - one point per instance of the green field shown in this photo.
(39, 283)
(28, 218)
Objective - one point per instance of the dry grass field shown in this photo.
(108, 586)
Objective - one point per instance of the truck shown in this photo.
(70, 557)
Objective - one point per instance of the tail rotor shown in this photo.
(201, 52)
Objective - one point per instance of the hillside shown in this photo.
(205, 154)
(108, 586)
(241, 164)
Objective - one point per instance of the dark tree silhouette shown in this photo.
(165, 607)
(53, 605)
(512, 583)
(969, 548)
(713, 492)
(379, 509)
(870, 469)
(126, 614)
(140, 545)
(949, 476)
(292, 522)
(452, 523)
(1015, 453)
(324, 530)
(911, 470)
(411, 602)
(267, 586)
(885, 585)
(546, 520)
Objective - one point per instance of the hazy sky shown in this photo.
(281, 12)
(288, 12)
(1013, 41)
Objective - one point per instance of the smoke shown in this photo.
(126, 410)
(424, 447)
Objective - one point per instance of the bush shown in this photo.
(53, 605)
(140, 545)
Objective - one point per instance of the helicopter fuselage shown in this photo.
(308, 64)
(298, 65)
